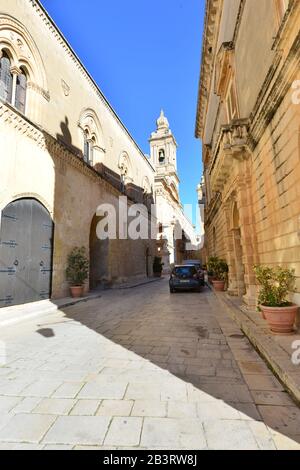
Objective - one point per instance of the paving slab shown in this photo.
(229, 434)
(26, 428)
(54, 406)
(115, 408)
(151, 408)
(173, 433)
(77, 430)
(124, 431)
(85, 407)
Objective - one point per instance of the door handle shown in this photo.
(42, 264)
(16, 263)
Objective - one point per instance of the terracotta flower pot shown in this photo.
(76, 291)
(211, 279)
(281, 320)
(218, 285)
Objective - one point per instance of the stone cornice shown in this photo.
(61, 154)
(211, 25)
(290, 12)
(276, 86)
(50, 24)
(39, 90)
(165, 191)
(277, 81)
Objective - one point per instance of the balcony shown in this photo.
(231, 148)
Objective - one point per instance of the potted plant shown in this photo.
(157, 266)
(220, 272)
(276, 283)
(77, 270)
(211, 264)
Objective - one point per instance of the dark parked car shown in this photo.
(200, 270)
(185, 277)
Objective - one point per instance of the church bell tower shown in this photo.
(163, 150)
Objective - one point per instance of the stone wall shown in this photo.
(42, 149)
(35, 165)
(251, 161)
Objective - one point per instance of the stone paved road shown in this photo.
(140, 368)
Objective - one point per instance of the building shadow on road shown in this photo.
(191, 346)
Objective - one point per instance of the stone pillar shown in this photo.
(248, 235)
(15, 71)
(232, 279)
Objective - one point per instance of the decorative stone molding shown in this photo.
(65, 87)
(206, 154)
(33, 86)
(274, 89)
(223, 68)
(61, 154)
(290, 15)
(12, 117)
(212, 20)
(90, 124)
(231, 146)
(22, 49)
(124, 166)
(14, 70)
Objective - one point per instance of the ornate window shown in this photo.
(231, 102)
(125, 168)
(6, 78)
(91, 135)
(88, 148)
(147, 186)
(13, 83)
(22, 73)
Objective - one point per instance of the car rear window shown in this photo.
(185, 270)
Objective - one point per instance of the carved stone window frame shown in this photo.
(281, 6)
(225, 80)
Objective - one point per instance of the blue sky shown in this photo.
(144, 55)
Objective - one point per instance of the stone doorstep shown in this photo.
(276, 357)
(19, 313)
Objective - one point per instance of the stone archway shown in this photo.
(99, 257)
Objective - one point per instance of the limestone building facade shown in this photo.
(177, 239)
(248, 118)
(63, 152)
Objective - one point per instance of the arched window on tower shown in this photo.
(6, 78)
(21, 86)
(161, 157)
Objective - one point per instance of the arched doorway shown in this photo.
(26, 246)
(239, 270)
(99, 254)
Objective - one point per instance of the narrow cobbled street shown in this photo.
(140, 368)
